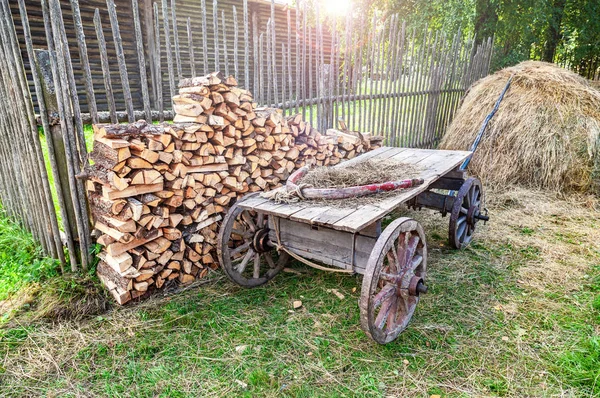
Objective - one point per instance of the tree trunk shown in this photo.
(486, 19)
(553, 31)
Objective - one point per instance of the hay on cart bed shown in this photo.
(373, 171)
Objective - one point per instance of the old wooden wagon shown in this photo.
(258, 236)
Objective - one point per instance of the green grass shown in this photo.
(515, 314)
(21, 259)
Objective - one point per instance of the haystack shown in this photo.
(546, 133)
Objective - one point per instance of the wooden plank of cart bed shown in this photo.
(326, 215)
(436, 163)
(366, 214)
(249, 203)
(271, 207)
(310, 211)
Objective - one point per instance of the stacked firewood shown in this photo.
(158, 192)
(329, 149)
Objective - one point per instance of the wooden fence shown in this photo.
(373, 73)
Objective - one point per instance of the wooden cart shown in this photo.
(258, 236)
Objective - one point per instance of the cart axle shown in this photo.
(417, 286)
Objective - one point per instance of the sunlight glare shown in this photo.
(337, 7)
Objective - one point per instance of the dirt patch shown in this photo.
(66, 298)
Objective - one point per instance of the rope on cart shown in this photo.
(304, 260)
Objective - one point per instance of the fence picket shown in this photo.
(84, 59)
(158, 65)
(168, 49)
(105, 68)
(225, 51)
(191, 47)
(176, 41)
(141, 60)
(114, 23)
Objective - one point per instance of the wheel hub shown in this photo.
(260, 241)
(416, 286)
(472, 215)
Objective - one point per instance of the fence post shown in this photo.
(55, 134)
(325, 107)
(149, 45)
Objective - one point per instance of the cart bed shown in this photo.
(433, 162)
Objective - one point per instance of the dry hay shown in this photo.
(372, 171)
(546, 133)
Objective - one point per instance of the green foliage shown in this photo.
(522, 29)
(21, 258)
(581, 30)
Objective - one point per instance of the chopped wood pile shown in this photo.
(158, 192)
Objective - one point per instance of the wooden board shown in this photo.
(326, 245)
(433, 164)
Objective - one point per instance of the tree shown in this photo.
(562, 31)
(553, 32)
(486, 18)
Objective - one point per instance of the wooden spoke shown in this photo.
(461, 231)
(416, 261)
(256, 273)
(261, 220)
(388, 277)
(404, 309)
(392, 257)
(243, 234)
(383, 313)
(269, 260)
(246, 217)
(235, 254)
(401, 250)
(239, 249)
(386, 292)
(242, 267)
(410, 251)
(391, 318)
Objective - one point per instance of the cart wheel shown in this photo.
(465, 213)
(244, 250)
(393, 280)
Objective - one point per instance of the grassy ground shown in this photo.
(515, 314)
(21, 260)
